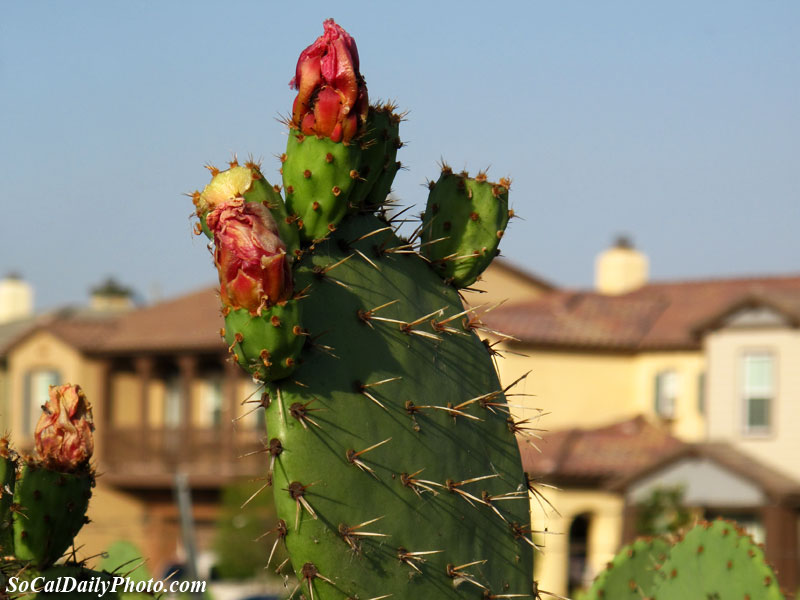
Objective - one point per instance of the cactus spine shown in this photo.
(393, 454)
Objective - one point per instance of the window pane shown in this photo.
(701, 393)
(37, 394)
(758, 373)
(665, 393)
(758, 412)
(172, 403)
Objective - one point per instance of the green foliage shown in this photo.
(239, 541)
(662, 512)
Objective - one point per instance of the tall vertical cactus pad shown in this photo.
(392, 451)
(713, 560)
(398, 473)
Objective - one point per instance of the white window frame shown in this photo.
(664, 407)
(750, 392)
(37, 393)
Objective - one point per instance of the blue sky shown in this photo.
(677, 123)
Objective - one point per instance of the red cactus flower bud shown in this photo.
(332, 96)
(254, 270)
(64, 431)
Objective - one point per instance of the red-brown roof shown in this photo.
(779, 485)
(188, 323)
(656, 316)
(596, 456)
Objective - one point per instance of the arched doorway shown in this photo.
(578, 551)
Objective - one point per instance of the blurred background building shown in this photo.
(642, 387)
(165, 400)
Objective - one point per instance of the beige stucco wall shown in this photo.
(689, 423)
(42, 350)
(499, 283)
(574, 389)
(725, 348)
(589, 390)
(604, 536)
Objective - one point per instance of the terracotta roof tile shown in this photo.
(656, 316)
(190, 322)
(598, 455)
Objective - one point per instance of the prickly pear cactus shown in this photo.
(44, 498)
(393, 455)
(630, 575)
(713, 560)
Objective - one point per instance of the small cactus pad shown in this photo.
(248, 183)
(52, 511)
(378, 160)
(464, 221)
(267, 346)
(630, 576)
(392, 464)
(716, 560)
(319, 177)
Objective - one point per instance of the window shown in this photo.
(758, 391)
(37, 393)
(665, 394)
(213, 400)
(172, 402)
(701, 393)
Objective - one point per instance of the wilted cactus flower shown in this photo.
(332, 96)
(254, 271)
(64, 431)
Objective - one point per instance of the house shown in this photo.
(710, 363)
(165, 399)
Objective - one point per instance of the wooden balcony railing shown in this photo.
(130, 457)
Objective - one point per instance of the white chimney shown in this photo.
(620, 269)
(16, 298)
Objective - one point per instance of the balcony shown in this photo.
(134, 458)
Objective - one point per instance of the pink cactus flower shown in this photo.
(64, 432)
(254, 271)
(332, 96)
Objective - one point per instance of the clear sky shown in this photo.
(676, 122)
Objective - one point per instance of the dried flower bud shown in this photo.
(64, 431)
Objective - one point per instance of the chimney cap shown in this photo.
(111, 287)
(624, 241)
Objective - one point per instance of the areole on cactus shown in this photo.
(392, 452)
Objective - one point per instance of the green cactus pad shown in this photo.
(267, 346)
(632, 573)
(8, 476)
(464, 221)
(716, 560)
(395, 468)
(319, 177)
(53, 509)
(249, 183)
(380, 144)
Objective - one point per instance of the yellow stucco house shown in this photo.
(641, 384)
